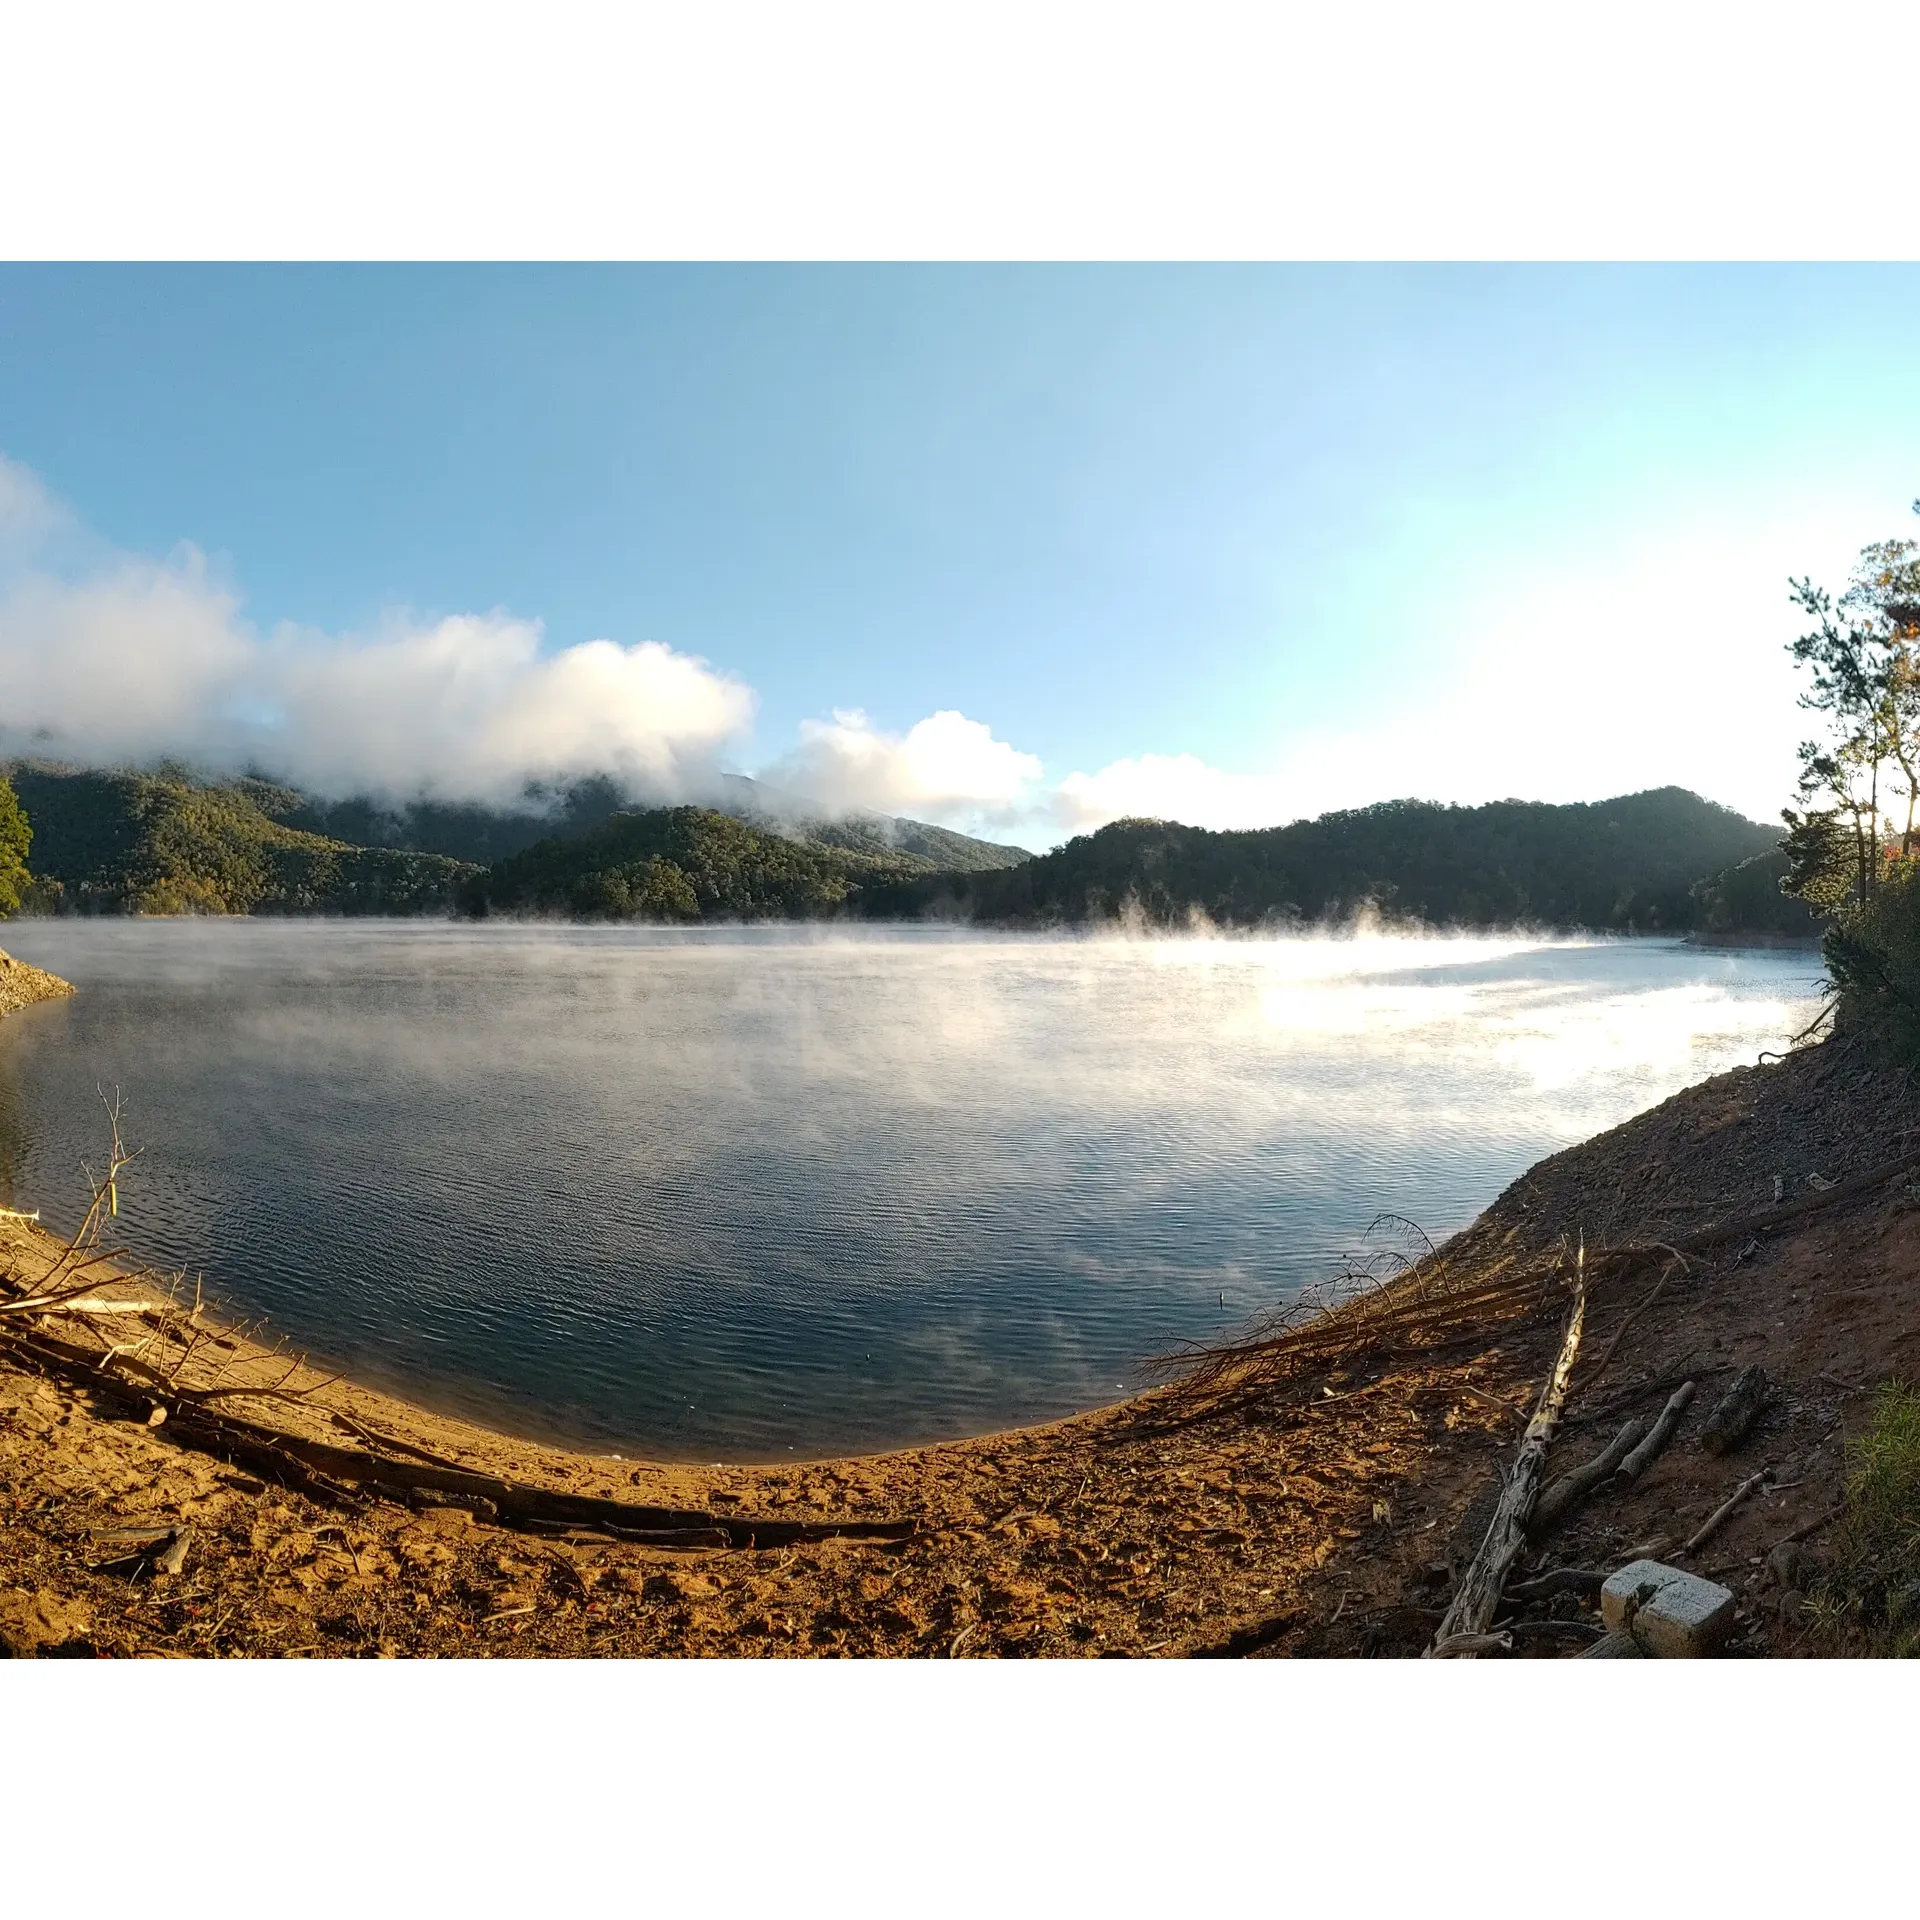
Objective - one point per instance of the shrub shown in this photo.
(15, 839)
(1876, 1567)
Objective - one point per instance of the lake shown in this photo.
(744, 1193)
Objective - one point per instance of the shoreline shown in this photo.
(324, 1518)
(22, 985)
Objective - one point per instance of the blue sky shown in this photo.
(1236, 544)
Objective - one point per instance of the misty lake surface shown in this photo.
(726, 1194)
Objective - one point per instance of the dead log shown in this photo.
(1573, 1485)
(1650, 1449)
(1478, 1594)
(1736, 1410)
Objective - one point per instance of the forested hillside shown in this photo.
(160, 843)
(485, 835)
(1627, 865)
(1665, 861)
(679, 863)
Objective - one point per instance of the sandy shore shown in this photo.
(1320, 1504)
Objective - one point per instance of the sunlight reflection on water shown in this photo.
(723, 1193)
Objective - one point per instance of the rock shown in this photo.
(32, 1624)
(1672, 1614)
(1736, 1410)
(1786, 1563)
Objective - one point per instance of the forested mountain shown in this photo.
(1665, 861)
(162, 843)
(679, 863)
(484, 835)
(1627, 865)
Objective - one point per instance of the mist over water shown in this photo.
(724, 1193)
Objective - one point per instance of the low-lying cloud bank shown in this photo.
(130, 660)
(945, 768)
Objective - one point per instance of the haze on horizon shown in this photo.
(1015, 550)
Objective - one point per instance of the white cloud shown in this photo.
(945, 768)
(470, 708)
(138, 659)
(1170, 786)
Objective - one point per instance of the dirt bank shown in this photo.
(1316, 1509)
(22, 985)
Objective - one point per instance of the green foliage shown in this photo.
(1862, 657)
(1873, 957)
(677, 863)
(1875, 1576)
(147, 843)
(1821, 866)
(1753, 898)
(1629, 865)
(1854, 848)
(16, 839)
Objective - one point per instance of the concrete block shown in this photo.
(1671, 1614)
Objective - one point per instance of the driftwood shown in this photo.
(67, 1303)
(1650, 1449)
(1585, 1581)
(1736, 1410)
(1577, 1482)
(349, 1476)
(1478, 1594)
(1464, 1646)
(1723, 1512)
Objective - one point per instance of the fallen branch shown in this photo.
(1678, 1264)
(1808, 1528)
(1650, 1449)
(1720, 1515)
(1480, 1587)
